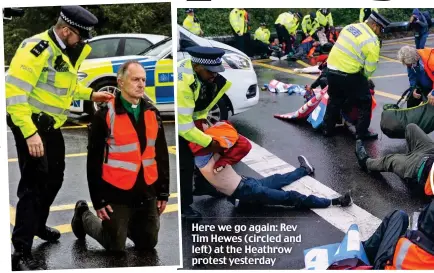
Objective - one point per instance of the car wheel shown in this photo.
(219, 112)
(107, 85)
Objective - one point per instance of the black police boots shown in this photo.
(361, 155)
(77, 221)
(24, 261)
(49, 234)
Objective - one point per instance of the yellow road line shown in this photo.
(377, 92)
(390, 59)
(302, 63)
(388, 76)
(66, 228)
(73, 127)
(72, 206)
(172, 150)
(12, 213)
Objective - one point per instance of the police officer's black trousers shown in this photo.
(348, 90)
(41, 179)
(380, 247)
(186, 170)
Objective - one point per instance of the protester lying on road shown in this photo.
(265, 191)
(414, 167)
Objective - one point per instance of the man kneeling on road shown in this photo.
(127, 168)
(414, 167)
(265, 191)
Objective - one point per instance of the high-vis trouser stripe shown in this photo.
(150, 142)
(186, 127)
(19, 83)
(349, 53)
(121, 164)
(148, 162)
(52, 89)
(16, 100)
(402, 253)
(123, 148)
(47, 108)
(185, 111)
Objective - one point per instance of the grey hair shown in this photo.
(408, 55)
(123, 70)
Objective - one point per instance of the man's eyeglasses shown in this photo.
(77, 33)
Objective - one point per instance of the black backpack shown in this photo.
(428, 18)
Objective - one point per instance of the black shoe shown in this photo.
(77, 221)
(191, 214)
(361, 155)
(327, 132)
(25, 262)
(346, 200)
(366, 136)
(305, 164)
(49, 234)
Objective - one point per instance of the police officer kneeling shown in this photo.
(127, 169)
(200, 87)
(352, 60)
(41, 83)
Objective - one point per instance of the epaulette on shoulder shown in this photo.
(39, 48)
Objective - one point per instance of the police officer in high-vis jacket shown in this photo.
(200, 87)
(352, 60)
(40, 85)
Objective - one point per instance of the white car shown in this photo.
(244, 92)
(117, 45)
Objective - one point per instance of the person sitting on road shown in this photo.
(278, 50)
(419, 66)
(127, 169)
(265, 191)
(393, 246)
(414, 167)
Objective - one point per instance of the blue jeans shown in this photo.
(268, 191)
(421, 40)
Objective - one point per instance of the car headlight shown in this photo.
(237, 61)
(81, 76)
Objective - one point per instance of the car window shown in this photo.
(104, 48)
(185, 42)
(157, 51)
(134, 46)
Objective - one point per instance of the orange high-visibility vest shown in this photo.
(124, 159)
(225, 134)
(427, 56)
(410, 256)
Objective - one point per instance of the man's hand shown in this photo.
(431, 98)
(215, 147)
(102, 96)
(36, 147)
(161, 205)
(415, 94)
(102, 213)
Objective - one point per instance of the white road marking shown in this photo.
(266, 164)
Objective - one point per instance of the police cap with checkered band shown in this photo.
(79, 18)
(209, 57)
(379, 19)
